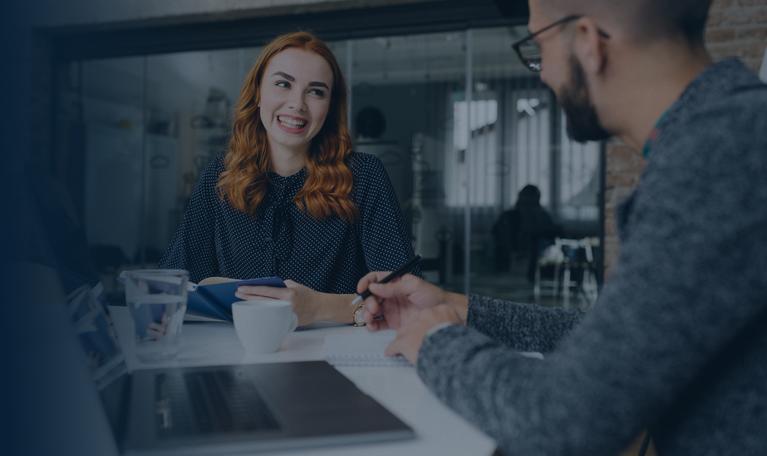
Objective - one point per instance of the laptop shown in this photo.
(203, 410)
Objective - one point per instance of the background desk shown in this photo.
(439, 431)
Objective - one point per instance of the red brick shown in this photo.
(757, 34)
(762, 3)
(720, 34)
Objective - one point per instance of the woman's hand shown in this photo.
(305, 301)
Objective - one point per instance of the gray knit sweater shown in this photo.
(677, 341)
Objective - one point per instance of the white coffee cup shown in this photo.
(262, 324)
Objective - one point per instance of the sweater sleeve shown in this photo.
(193, 247)
(690, 279)
(524, 327)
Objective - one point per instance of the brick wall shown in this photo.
(736, 28)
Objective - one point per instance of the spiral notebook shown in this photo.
(367, 349)
(364, 349)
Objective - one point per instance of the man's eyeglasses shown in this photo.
(529, 51)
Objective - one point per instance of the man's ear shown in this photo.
(589, 46)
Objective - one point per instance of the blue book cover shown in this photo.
(215, 300)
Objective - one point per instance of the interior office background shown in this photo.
(133, 99)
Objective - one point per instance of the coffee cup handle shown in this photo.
(293, 323)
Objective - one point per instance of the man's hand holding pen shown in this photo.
(412, 307)
(390, 302)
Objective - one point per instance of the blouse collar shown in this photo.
(286, 186)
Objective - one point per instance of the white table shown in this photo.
(439, 431)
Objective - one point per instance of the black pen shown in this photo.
(404, 269)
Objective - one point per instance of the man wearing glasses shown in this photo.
(676, 343)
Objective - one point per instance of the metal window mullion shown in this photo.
(144, 178)
(556, 150)
(468, 168)
(349, 84)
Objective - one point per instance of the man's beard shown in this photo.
(582, 121)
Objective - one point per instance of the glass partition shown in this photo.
(404, 90)
(460, 125)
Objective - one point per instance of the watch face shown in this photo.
(359, 316)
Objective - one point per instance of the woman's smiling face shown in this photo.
(295, 97)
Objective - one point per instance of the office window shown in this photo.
(136, 132)
(480, 138)
(579, 176)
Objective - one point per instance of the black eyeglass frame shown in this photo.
(518, 44)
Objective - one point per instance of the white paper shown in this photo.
(367, 349)
(363, 349)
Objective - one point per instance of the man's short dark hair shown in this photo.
(647, 20)
(682, 18)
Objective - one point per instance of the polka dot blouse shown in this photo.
(328, 255)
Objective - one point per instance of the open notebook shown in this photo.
(367, 349)
(361, 349)
(212, 298)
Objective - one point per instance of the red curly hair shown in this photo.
(327, 190)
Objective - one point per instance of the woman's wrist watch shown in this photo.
(358, 315)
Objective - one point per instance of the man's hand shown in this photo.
(413, 330)
(389, 302)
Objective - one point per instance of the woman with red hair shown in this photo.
(289, 197)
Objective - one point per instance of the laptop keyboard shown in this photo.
(209, 402)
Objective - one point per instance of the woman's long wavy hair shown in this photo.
(327, 189)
